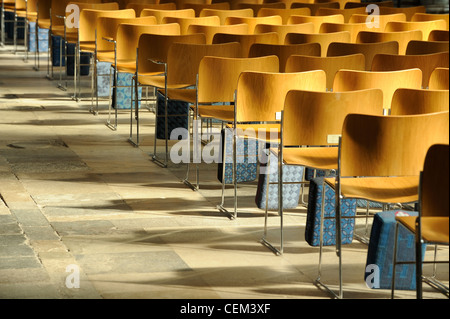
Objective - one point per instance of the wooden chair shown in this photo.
(388, 82)
(353, 28)
(127, 40)
(430, 17)
(426, 63)
(324, 39)
(401, 37)
(431, 227)
(138, 7)
(284, 51)
(342, 3)
(210, 30)
(88, 40)
(284, 29)
(313, 7)
(235, 3)
(425, 26)
(160, 14)
(370, 50)
(213, 96)
(26, 9)
(259, 97)
(346, 13)
(124, 4)
(283, 13)
(70, 34)
(426, 47)
(183, 61)
(316, 20)
(418, 101)
(253, 21)
(439, 79)
(408, 11)
(309, 119)
(224, 14)
(438, 35)
(352, 4)
(198, 7)
(331, 65)
(186, 22)
(388, 179)
(378, 21)
(246, 40)
(151, 60)
(258, 6)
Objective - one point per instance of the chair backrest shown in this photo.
(111, 6)
(401, 37)
(342, 3)
(160, 14)
(418, 101)
(198, 7)
(378, 22)
(128, 37)
(350, 5)
(210, 30)
(218, 76)
(426, 47)
(259, 95)
(353, 28)
(246, 40)
(253, 21)
(138, 7)
(370, 50)
(403, 144)
(283, 13)
(310, 117)
(331, 65)
(434, 183)
(224, 14)
(439, 35)
(316, 20)
(284, 29)
(89, 19)
(258, 6)
(324, 39)
(186, 22)
(108, 26)
(284, 51)
(425, 26)
(426, 62)
(313, 7)
(347, 13)
(43, 9)
(184, 59)
(408, 11)
(430, 17)
(439, 79)
(388, 82)
(156, 47)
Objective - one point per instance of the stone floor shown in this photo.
(78, 199)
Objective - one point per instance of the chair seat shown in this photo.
(262, 132)
(44, 23)
(87, 46)
(315, 157)
(187, 95)
(434, 229)
(159, 82)
(221, 112)
(105, 56)
(402, 189)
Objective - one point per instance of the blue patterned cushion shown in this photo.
(291, 192)
(43, 38)
(381, 251)
(348, 212)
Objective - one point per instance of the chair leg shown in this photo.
(394, 261)
(419, 292)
